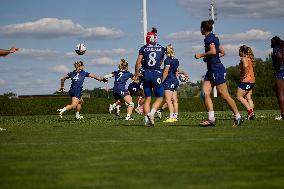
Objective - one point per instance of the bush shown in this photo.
(48, 106)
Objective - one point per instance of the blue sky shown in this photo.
(48, 31)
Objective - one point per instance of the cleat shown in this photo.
(1, 129)
(79, 117)
(147, 124)
(117, 110)
(60, 113)
(251, 116)
(151, 120)
(138, 111)
(279, 118)
(208, 123)
(110, 109)
(170, 120)
(238, 122)
(129, 118)
(159, 113)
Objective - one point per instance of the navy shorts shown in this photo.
(152, 79)
(159, 92)
(216, 76)
(246, 86)
(117, 95)
(171, 86)
(75, 93)
(279, 75)
(133, 89)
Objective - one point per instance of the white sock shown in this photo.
(211, 116)
(127, 115)
(152, 112)
(172, 115)
(77, 114)
(175, 115)
(113, 106)
(63, 110)
(146, 119)
(238, 116)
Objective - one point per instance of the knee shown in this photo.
(248, 97)
(239, 97)
(225, 95)
(175, 100)
(168, 99)
(73, 106)
(205, 94)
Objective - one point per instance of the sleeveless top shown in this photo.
(250, 75)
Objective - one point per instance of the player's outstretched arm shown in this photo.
(98, 77)
(222, 51)
(109, 76)
(4, 52)
(211, 52)
(62, 81)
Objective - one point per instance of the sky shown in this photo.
(47, 31)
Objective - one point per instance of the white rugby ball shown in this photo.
(80, 49)
(182, 78)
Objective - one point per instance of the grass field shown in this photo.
(103, 151)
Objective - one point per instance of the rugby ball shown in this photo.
(80, 49)
(182, 78)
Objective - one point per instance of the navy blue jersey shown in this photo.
(77, 78)
(274, 58)
(173, 65)
(120, 79)
(212, 60)
(153, 55)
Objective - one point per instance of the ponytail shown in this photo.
(246, 50)
(170, 52)
(123, 65)
(77, 65)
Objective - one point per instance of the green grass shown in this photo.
(105, 152)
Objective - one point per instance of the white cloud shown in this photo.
(111, 52)
(60, 69)
(104, 61)
(184, 36)
(2, 82)
(232, 49)
(44, 82)
(251, 35)
(195, 36)
(237, 8)
(53, 28)
(38, 53)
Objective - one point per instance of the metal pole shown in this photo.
(215, 94)
(144, 21)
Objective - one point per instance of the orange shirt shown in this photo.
(249, 77)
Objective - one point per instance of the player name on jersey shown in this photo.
(157, 48)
